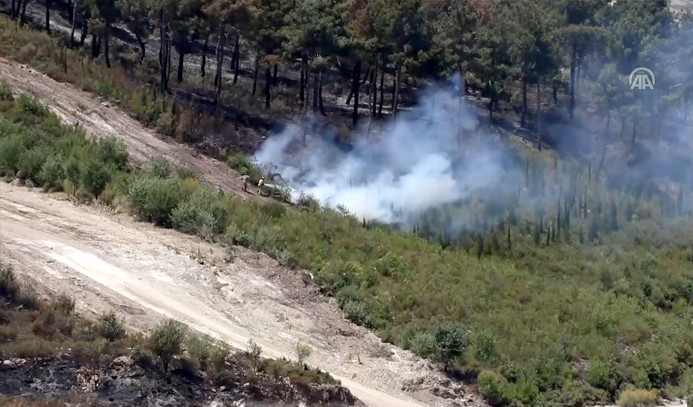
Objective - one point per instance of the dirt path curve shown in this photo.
(101, 119)
(110, 262)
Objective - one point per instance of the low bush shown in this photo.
(495, 388)
(166, 341)
(95, 177)
(110, 327)
(154, 199)
(637, 398)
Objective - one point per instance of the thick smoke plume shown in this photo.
(415, 163)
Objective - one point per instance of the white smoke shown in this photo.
(413, 164)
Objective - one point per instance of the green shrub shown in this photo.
(495, 388)
(273, 210)
(392, 265)
(110, 327)
(199, 349)
(73, 172)
(424, 345)
(451, 343)
(201, 213)
(637, 398)
(308, 203)
(254, 352)
(166, 341)
(484, 344)
(52, 172)
(5, 92)
(185, 173)
(95, 177)
(9, 287)
(31, 161)
(243, 165)
(154, 199)
(160, 167)
(10, 149)
(689, 401)
(112, 151)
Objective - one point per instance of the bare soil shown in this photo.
(107, 261)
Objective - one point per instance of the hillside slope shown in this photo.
(101, 119)
(144, 273)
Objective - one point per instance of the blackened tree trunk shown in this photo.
(163, 58)
(322, 107)
(203, 64)
(315, 92)
(539, 114)
(105, 45)
(355, 91)
(83, 35)
(181, 59)
(524, 101)
(74, 25)
(373, 88)
(268, 84)
(274, 75)
(12, 7)
(94, 46)
(22, 19)
(351, 92)
(142, 45)
(382, 90)
(48, 16)
(256, 69)
(302, 96)
(220, 64)
(237, 58)
(395, 91)
(573, 63)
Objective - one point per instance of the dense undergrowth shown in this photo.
(32, 328)
(567, 323)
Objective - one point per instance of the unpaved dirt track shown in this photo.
(110, 262)
(101, 119)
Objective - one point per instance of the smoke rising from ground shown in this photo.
(412, 166)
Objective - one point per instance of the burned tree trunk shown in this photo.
(357, 76)
(268, 84)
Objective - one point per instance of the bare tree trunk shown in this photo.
(395, 91)
(315, 92)
(382, 90)
(374, 88)
(274, 77)
(302, 96)
(142, 47)
(162, 52)
(105, 45)
(84, 31)
(220, 64)
(237, 55)
(573, 66)
(255, 71)
(524, 101)
(357, 76)
(181, 59)
(322, 107)
(22, 19)
(539, 114)
(48, 16)
(363, 81)
(268, 84)
(203, 64)
(74, 20)
(12, 6)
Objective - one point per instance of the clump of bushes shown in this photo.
(633, 397)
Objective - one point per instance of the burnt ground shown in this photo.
(123, 383)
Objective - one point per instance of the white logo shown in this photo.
(642, 78)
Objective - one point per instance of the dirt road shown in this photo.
(101, 119)
(110, 262)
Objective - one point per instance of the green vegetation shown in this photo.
(637, 398)
(564, 322)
